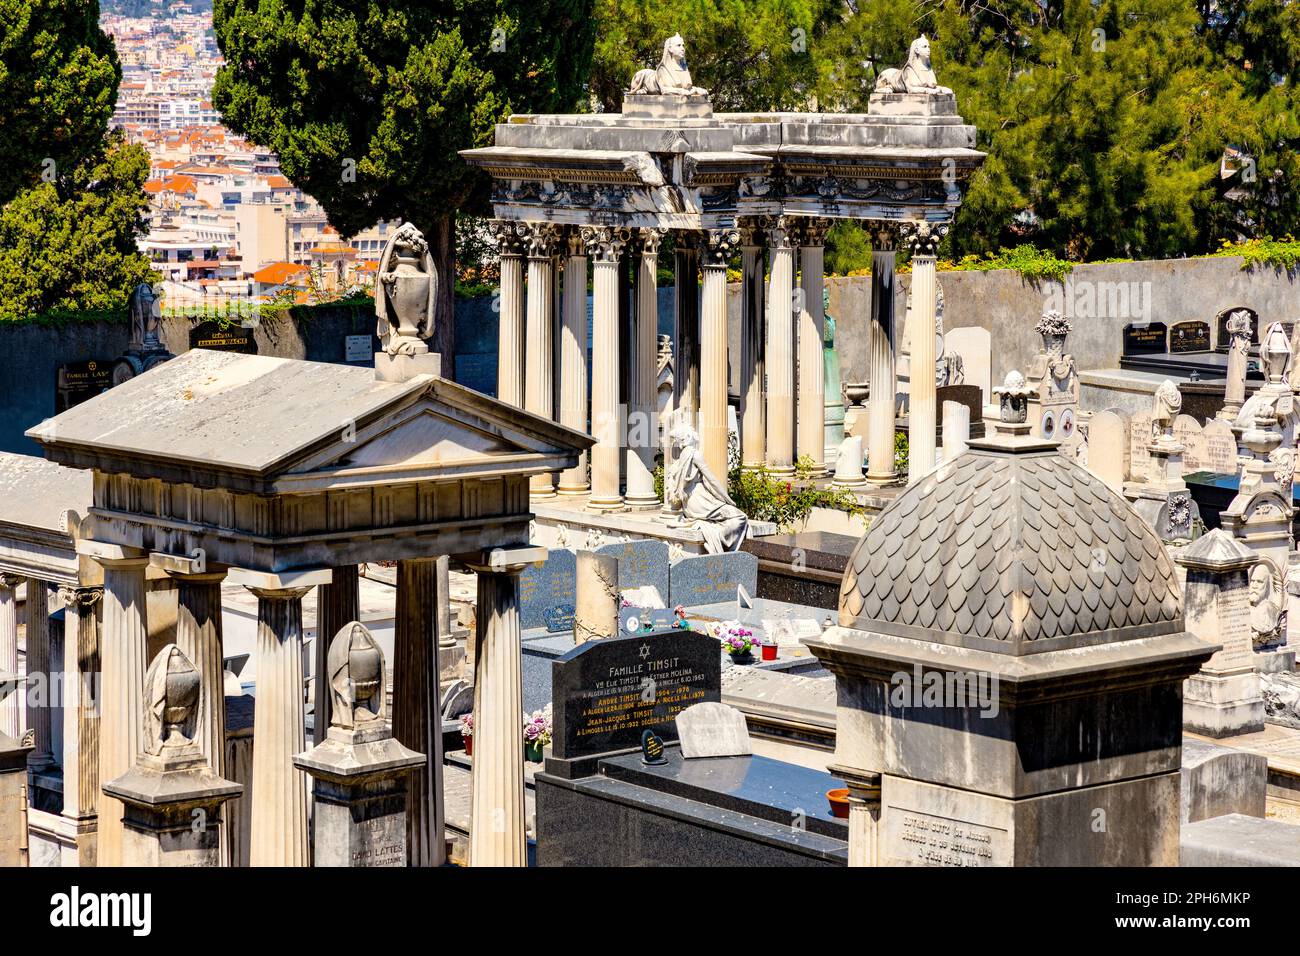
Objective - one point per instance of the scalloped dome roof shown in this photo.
(1005, 547)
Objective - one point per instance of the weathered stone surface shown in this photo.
(712, 729)
(1218, 780)
(709, 578)
(1239, 840)
(1109, 448)
(596, 608)
(641, 562)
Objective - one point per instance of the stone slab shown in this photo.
(641, 563)
(1239, 840)
(547, 593)
(712, 729)
(709, 578)
(1219, 780)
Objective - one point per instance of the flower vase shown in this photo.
(532, 751)
(469, 744)
(769, 652)
(744, 657)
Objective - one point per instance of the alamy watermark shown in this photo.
(960, 689)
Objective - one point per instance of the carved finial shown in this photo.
(1013, 396)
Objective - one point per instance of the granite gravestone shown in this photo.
(79, 381)
(547, 594)
(211, 334)
(605, 694)
(1190, 336)
(1146, 338)
(1221, 337)
(642, 563)
(711, 578)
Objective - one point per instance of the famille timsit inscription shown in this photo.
(606, 693)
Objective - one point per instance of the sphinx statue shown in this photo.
(406, 289)
(915, 76)
(703, 499)
(356, 675)
(671, 76)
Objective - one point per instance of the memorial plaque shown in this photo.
(1193, 336)
(713, 730)
(1148, 338)
(211, 334)
(1219, 448)
(78, 381)
(928, 825)
(712, 578)
(1189, 434)
(606, 693)
(547, 594)
(640, 564)
(1139, 459)
(358, 348)
(1221, 342)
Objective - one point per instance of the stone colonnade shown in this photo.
(781, 410)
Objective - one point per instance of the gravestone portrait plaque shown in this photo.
(547, 594)
(1148, 338)
(211, 334)
(1193, 336)
(606, 693)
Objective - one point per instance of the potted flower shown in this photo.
(737, 640)
(537, 734)
(467, 733)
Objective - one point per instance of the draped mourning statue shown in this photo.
(356, 673)
(702, 498)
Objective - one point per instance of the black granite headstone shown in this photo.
(1148, 338)
(605, 694)
(1192, 336)
(211, 334)
(1221, 338)
(79, 381)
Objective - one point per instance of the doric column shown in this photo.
(511, 350)
(11, 706)
(122, 654)
(811, 417)
(498, 835)
(417, 718)
(38, 675)
(643, 422)
(605, 244)
(81, 672)
(753, 399)
(337, 603)
(279, 793)
(922, 415)
(880, 343)
(779, 355)
(538, 371)
(716, 250)
(573, 360)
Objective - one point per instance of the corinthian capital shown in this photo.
(812, 231)
(779, 233)
(507, 235)
(9, 580)
(541, 239)
(651, 239)
(83, 597)
(605, 243)
(717, 247)
(925, 237)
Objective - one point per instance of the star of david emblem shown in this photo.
(645, 651)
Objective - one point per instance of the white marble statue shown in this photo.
(916, 76)
(171, 693)
(702, 498)
(406, 290)
(1166, 404)
(1267, 620)
(356, 672)
(671, 76)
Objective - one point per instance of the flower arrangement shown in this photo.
(467, 725)
(1053, 323)
(737, 640)
(680, 622)
(537, 728)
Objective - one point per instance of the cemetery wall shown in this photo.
(1101, 298)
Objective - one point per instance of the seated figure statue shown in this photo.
(703, 499)
(671, 76)
(916, 76)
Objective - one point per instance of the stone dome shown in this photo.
(1014, 549)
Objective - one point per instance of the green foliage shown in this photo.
(367, 104)
(786, 503)
(750, 54)
(1268, 252)
(900, 452)
(848, 250)
(58, 85)
(1031, 262)
(70, 246)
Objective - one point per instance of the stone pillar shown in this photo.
(605, 244)
(337, 603)
(81, 674)
(573, 361)
(10, 706)
(811, 417)
(498, 835)
(779, 354)
(511, 349)
(956, 429)
(1234, 389)
(643, 423)
(715, 252)
(279, 793)
(686, 359)
(922, 415)
(38, 670)
(122, 655)
(539, 369)
(417, 718)
(753, 398)
(864, 815)
(13, 816)
(848, 465)
(883, 401)
(596, 601)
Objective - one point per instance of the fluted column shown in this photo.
(498, 834)
(686, 358)
(81, 670)
(643, 420)
(573, 360)
(716, 250)
(511, 349)
(417, 718)
(539, 387)
(38, 674)
(779, 355)
(122, 654)
(338, 603)
(753, 398)
(864, 818)
(881, 411)
(811, 416)
(11, 706)
(279, 827)
(605, 245)
(922, 415)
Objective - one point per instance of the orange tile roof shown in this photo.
(278, 273)
(279, 182)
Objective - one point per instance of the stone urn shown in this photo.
(856, 393)
(405, 292)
